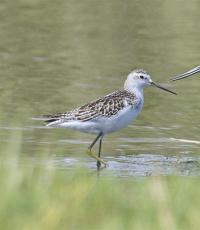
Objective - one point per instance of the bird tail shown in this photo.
(47, 118)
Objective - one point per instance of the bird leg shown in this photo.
(99, 160)
(99, 153)
(92, 154)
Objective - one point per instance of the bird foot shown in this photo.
(99, 160)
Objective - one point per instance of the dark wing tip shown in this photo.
(46, 118)
(51, 120)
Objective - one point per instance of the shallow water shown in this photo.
(55, 56)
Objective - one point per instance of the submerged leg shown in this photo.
(90, 153)
(99, 153)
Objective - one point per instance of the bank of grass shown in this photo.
(39, 196)
(44, 198)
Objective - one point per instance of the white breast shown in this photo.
(120, 120)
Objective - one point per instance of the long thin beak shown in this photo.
(187, 74)
(161, 87)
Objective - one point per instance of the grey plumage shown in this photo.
(106, 106)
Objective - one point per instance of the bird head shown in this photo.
(139, 79)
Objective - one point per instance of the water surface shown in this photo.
(57, 55)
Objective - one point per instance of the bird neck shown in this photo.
(133, 87)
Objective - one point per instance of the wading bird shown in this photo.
(109, 113)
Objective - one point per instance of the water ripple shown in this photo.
(135, 165)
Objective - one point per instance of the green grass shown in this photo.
(44, 198)
(39, 196)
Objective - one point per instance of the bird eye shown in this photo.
(141, 77)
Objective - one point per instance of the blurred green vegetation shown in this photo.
(41, 196)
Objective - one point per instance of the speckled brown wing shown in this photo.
(106, 106)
